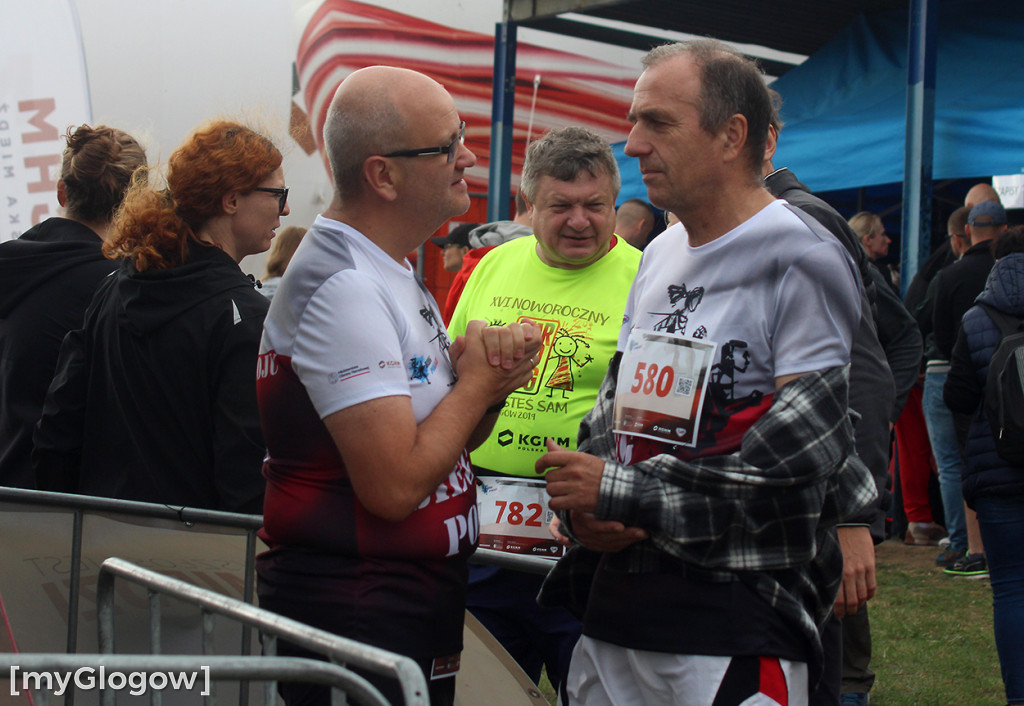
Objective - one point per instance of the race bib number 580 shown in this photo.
(662, 382)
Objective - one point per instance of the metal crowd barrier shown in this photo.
(271, 626)
(80, 505)
(218, 668)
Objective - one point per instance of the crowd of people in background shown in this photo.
(377, 429)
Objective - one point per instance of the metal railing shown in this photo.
(80, 505)
(216, 668)
(338, 650)
(270, 625)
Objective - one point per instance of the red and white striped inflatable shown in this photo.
(344, 35)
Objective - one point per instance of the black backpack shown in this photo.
(1004, 388)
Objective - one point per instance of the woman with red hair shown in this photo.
(154, 399)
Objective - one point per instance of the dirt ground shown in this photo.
(896, 552)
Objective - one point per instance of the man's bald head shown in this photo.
(370, 114)
(980, 192)
(634, 221)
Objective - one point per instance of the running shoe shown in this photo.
(971, 566)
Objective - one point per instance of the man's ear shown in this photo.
(62, 193)
(771, 143)
(382, 176)
(734, 137)
(529, 206)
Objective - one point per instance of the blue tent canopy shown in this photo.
(632, 182)
(845, 107)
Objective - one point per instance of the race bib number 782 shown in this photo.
(514, 516)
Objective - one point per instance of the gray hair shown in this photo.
(563, 154)
(355, 131)
(730, 84)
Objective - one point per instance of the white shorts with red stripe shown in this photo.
(603, 674)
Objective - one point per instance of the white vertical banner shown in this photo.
(44, 90)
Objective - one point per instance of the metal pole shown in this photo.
(76, 579)
(499, 184)
(920, 140)
(73, 591)
(248, 589)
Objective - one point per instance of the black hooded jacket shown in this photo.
(155, 398)
(886, 348)
(47, 279)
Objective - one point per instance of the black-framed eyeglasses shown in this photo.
(281, 193)
(450, 149)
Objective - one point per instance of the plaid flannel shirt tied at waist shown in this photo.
(764, 515)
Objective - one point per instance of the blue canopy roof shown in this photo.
(845, 107)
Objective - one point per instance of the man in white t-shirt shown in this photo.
(722, 427)
(367, 408)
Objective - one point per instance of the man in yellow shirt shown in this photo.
(572, 278)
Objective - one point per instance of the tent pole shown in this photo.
(920, 140)
(499, 183)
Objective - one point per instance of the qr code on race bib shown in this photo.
(684, 386)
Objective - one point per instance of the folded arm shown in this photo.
(394, 462)
(758, 508)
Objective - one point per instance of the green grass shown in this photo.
(932, 634)
(932, 641)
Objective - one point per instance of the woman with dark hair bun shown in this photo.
(155, 397)
(48, 277)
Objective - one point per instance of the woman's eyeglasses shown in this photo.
(281, 193)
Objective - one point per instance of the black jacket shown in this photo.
(985, 472)
(941, 257)
(47, 279)
(896, 329)
(155, 398)
(874, 394)
(956, 287)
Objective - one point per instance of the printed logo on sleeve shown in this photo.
(266, 365)
(421, 367)
(347, 373)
